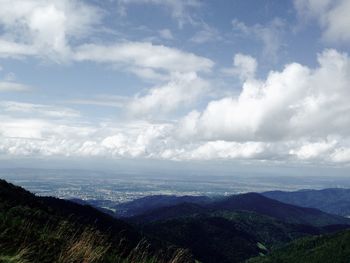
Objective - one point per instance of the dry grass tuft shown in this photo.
(88, 247)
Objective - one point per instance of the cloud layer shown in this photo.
(299, 114)
(296, 114)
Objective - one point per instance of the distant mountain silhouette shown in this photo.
(144, 204)
(282, 211)
(248, 202)
(331, 200)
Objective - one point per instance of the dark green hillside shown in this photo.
(34, 229)
(236, 228)
(269, 231)
(210, 239)
(333, 248)
(224, 236)
(164, 213)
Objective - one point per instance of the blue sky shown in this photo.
(252, 82)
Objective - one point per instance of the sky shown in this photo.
(246, 82)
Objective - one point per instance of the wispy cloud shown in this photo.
(160, 59)
(270, 35)
(206, 34)
(9, 86)
(166, 34)
(180, 10)
(101, 100)
(37, 109)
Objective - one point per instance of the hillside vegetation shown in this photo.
(227, 230)
(34, 229)
(326, 249)
(228, 236)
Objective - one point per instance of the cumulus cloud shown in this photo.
(181, 90)
(298, 114)
(59, 137)
(341, 155)
(313, 150)
(42, 27)
(292, 113)
(332, 17)
(293, 103)
(38, 137)
(244, 66)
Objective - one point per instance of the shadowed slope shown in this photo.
(45, 229)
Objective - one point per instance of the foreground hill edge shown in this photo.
(46, 229)
(233, 229)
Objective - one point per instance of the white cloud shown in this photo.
(299, 114)
(156, 59)
(226, 150)
(341, 155)
(43, 28)
(55, 30)
(7, 86)
(295, 103)
(332, 17)
(313, 150)
(44, 137)
(181, 90)
(20, 128)
(270, 35)
(38, 109)
(244, 66)
(13, 49)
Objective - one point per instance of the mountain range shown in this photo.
(240, 228)
(332, 200)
